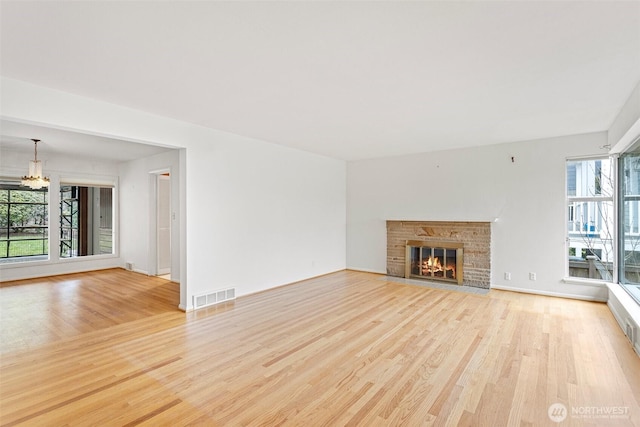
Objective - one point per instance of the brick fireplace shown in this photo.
(472, 238)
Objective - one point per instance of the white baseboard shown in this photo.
(185, 309)
(366, 270)
(547, 293)
(512, 289)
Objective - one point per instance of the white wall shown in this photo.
(137, 213)
(266, 215)
(526, 196)
(254, 215)
(13, 164)
(628, 119)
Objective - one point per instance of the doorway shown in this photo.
(163, 224)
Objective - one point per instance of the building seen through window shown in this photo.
(590, 218)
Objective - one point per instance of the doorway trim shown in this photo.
(154, 248)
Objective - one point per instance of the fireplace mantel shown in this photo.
(451, 220)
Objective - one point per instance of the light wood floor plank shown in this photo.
(111, 348)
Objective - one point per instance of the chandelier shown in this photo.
(35, 180)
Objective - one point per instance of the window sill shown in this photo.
(41, 262)
(626, 311)
(86, 258)
(10, 263)
(587, 282)
(627, 301)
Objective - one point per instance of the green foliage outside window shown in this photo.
(23, 222)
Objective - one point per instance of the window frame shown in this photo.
(13, 184)
(53, 199)
(622, 281)
(77, 228)
(571, 203)
(98, 181)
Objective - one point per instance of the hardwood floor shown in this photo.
(39, 311)
(343, 349)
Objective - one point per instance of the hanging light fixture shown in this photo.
(35, 180)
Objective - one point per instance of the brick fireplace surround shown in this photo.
(476, 237)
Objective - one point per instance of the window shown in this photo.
(590, 218)
(24, 231)
(629, 264)
(86, 220)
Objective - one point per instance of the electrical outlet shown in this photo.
(507, 276)
(532, 276)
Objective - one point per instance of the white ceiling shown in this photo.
(349, 80)
(17, 137)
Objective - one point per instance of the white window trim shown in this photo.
(573, 199)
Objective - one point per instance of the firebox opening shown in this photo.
(434, 261)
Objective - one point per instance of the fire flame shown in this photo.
(433, 265)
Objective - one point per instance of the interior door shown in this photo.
(164, 224)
